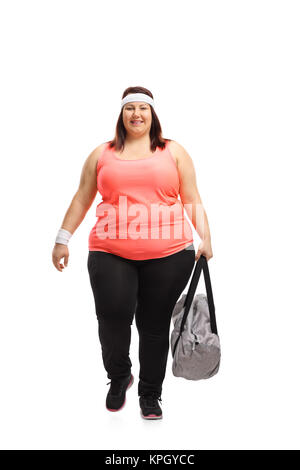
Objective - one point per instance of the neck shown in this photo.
(138, 142)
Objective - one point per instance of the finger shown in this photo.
(56, 263)
(66, 260)
(59, 265)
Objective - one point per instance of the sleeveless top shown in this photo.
(140, 216)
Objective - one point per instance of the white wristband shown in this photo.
(63, 236)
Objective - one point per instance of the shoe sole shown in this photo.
(128, 386)
(151, 416)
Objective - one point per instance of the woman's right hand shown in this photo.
(60, 251)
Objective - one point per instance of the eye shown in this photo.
(130, 108)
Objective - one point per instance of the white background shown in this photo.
(225, 78)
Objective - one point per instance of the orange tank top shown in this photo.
(140, 216)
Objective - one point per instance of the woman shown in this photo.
(136, 270)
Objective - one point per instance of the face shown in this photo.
(137, 118)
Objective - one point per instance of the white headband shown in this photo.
(137, 97)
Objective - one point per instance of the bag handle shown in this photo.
(201, 264)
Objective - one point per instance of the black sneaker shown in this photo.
(116, 396)
(150, 408)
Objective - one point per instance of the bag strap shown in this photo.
(201, 264)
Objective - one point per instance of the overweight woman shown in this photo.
(141, 252)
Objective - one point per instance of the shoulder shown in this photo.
(95, 154)
(178, 151)
(98, 150)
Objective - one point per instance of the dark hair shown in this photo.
(156, 138)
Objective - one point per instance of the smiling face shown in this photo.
(137, 118)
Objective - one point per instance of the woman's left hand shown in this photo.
(205, 250)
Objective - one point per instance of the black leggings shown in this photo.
(147, 289)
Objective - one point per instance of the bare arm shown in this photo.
(80, 204)
(85, 195)
(190, 196)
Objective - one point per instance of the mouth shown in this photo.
(136, 123)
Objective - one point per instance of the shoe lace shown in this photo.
(151, 400)
(115, 387)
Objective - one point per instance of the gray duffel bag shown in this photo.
(195, 343)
